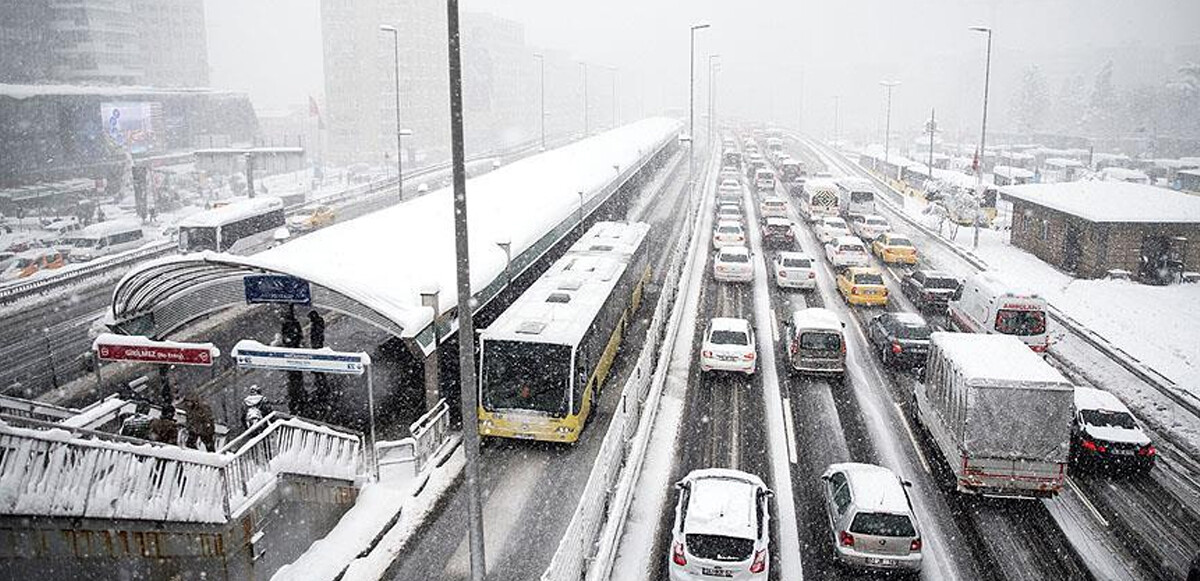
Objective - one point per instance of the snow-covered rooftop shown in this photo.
(1104, 201)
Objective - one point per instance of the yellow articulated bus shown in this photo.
(544, 359)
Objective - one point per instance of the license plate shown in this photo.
(726, 358)
(1121, 452)
(716, 572)
(876, 561)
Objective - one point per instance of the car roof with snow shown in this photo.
(729, 224)
(729, 324)
(777, 221)
(816, 318)
(793, 255)
(1090, 398)
(722, 502)
(875, 488)
(724, 250)
(846, 241)
(909, 319)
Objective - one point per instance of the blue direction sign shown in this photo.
(254, 355)
(276, 288)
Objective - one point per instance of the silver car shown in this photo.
(871, 520)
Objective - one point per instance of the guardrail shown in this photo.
(49, 470)
(14, 292)
(1119, 356)
(595, 526)
(429, 433)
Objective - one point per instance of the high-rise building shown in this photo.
(172, 42)
(105, 42)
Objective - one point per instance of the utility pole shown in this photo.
(692, 108)
(931, 128)
(399, 132)
(987, 74)
(887, 131)
(586, 128)
(466, 326)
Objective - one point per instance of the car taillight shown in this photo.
(896, 348)
(1147, 450)
(782, 273)
(760, 561)
(846, 539)
(854, 290)
(915, 545)
(748, 357)
(1093, 446)
(812, 274)
(706, 353)
(677, 554)
(843, 347)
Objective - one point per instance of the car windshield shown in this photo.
(868, 278)
(938, 282)
(913, 332)
(835, 224)
(898, 241)
(734, 257)
(83, 242)
(1015, 322)
(729, 230)
(882, 525)
(819, 341)
(720, 547)
(850, 248)
(797, 262)
(727, 337)
(1108, 419)
(877, 222)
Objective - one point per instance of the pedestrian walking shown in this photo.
(164, 428)
(200, 425)
(322, 397)
(316, 330)
(292, 334)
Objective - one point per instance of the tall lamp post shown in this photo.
(466, 326)
(692, 109)
(887, 131)
(399, 132)
(987, 77)
(542, 89)
(713, 67)
(613, 70)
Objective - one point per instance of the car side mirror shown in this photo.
(825, 477)
(906, 483)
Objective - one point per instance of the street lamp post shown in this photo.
(692, 109)
(542, 89)
(466, 325)
(613, 70)
(987, 75)
(713, 66)
(399, 132)
(887, 131)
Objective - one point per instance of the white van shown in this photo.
(856, 196)
(819, 198)
(102, 239)
(988, 304)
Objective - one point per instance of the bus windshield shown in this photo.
(526, 376)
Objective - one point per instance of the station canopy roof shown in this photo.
(1107, 201)
(384, 260)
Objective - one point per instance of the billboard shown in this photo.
(131, 124)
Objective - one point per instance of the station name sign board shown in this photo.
(111, 347)
(251, 354)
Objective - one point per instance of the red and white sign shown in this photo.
(110, 347)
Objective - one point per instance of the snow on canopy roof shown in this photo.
(231, 213)
(992, 359)
(1104, 201)
(1011, 172)
(385, 258)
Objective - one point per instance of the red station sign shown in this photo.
(165, 353)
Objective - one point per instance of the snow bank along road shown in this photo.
(530, 489)
(1131, 527)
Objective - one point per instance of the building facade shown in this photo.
(1151, 242)
(106, 42)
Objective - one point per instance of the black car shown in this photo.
(1194, 570)
(930, 290)
(901, 339)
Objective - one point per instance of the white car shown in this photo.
(847, 251)
(869, 226)
(730, 184)
(772, 207)
(722, 527)
(871, 523)
(732, 264)
(729, 212)
(727, 194)
(730, 173)
(829, 227)
(728, 345)
(728, 233)
(794, 270)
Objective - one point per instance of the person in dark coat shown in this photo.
(316, 339)
(200, 424)
(164, 428)
(291, 335)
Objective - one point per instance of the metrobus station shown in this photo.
(384, 286)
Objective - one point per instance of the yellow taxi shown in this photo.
(863, 286)
(31, 262)
(311, 217)
(894, 249)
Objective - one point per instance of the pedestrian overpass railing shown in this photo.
(49, 470)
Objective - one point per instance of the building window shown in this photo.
(1045, 234)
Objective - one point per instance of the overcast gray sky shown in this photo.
(272, 48)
